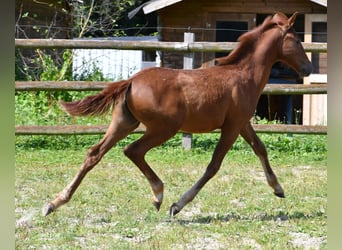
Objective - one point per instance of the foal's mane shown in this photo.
(247, 43)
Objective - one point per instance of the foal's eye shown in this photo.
(297, 41)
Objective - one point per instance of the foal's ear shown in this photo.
(291, 20)
(283, 22)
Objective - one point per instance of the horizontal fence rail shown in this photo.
(274, 89)
(185, 47)
(101, 129)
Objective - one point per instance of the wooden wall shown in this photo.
(197, 15)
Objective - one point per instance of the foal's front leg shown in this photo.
(227, 139)
(259, 148)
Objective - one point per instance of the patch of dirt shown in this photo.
(258, 175)
(207, 243)
(301, 170)
(251, 243)
(238, 203)
(305, 241)
(26, 219)
(217, 242)
(191, 210)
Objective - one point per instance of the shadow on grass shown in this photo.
(281, 216)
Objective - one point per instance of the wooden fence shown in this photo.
(185, 47)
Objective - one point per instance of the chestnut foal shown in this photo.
(166, 101)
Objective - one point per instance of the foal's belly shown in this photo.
(202, 124)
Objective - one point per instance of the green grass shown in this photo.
(112, 208)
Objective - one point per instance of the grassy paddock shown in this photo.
(112, 208)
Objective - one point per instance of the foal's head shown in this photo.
(292, 51)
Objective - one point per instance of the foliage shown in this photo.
(41, 107)
(305, 148)
(20, 68)
(100, 18)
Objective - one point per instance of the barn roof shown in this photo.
(320, 2)
(154, 5)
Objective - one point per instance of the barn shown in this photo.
(225, 21)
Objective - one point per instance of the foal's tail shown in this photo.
(97, 104)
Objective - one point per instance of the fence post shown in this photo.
(188, 63)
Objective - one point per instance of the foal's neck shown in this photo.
(261, 59)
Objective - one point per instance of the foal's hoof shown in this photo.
(47, 209)
(174, 209)
(281, 195)
(156, 204)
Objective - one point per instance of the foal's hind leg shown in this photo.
(136, 153)
(259, 148)
(121, 125)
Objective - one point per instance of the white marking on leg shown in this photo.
(159, 197)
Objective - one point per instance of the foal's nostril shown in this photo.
(306, 69)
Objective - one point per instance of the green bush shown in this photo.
(41, 107)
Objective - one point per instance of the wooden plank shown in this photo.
(294, 89)
(60, 130)
(60, 85)
(142, 45)
(99, 44)
(101, 129)
(272, 89)
(289, 128)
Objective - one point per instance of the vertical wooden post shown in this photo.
(188, 63)
(314, 106)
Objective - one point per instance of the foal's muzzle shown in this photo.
(306, 69)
